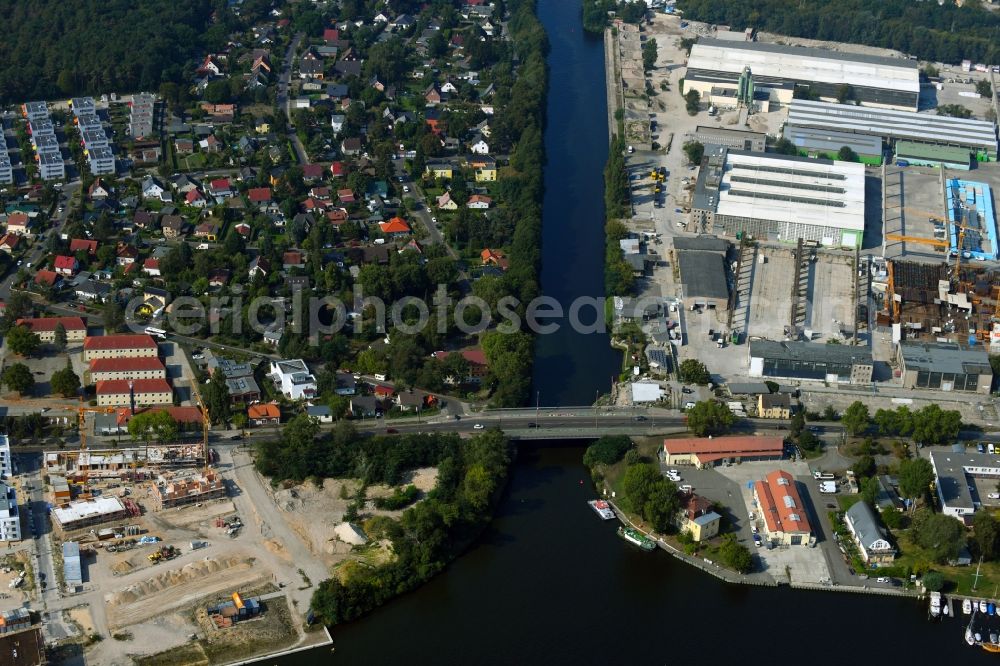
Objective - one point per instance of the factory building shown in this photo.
(780, 198)
(701, 263)
(826, 144)
(810, 361)
(955, 475)
(945, 366)
(930, 155)
(779, 70)
(733, 139)
(979, 137)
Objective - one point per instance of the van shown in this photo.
(981, 448)
(991, 449)
(380, 377)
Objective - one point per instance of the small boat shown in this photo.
(935, 608)
(991, 608)
(969, 638)
(944, 609)
(990, 647)
(967, 607)
(979, 637)
(982, 606)
(603, 509)
(636, 538)
(993, 637)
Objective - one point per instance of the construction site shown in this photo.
(932, 284)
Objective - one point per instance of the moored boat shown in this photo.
(603, 509)
(990, 647)
(982, 606)
(935, 607)
(966, 607)
(636, 538)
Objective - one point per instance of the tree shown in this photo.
(915, 478)
(846, 154)
(986, 534)
(65, 382)
(22, 341)
(942, 536)
(855, 418)
(735, 555)
(692, 102)
(607, 450)
(216, 397)
(114, 316)
(845, 93)
(933, 425)
(694, 150)
(708, 417)
(638, 483)
(649, 54)
(59, 338)
(808, 441)
(892, 517)
(18, 377)
(150, 426)
(830, 414)
(798, 423)
(662, 504)
(984, 88)
(785, 147)
(930, 71)
(933, 581)
(864, 467)
(693, 371)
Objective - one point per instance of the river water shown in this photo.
(550, 583)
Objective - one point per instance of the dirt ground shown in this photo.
(313, 513)
(178, 586)
(81, 617)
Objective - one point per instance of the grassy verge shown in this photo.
(959, 579)
(191, 654)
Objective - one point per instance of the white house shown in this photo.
(293, 379)
(151, 188)
(480, 147)
(337, 121)
(449, 87)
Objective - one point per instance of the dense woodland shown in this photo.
(928, 30)
(54, 48)
(471, 476)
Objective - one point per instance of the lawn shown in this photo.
(960, 579)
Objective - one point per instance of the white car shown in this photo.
(673, 472)
(478, 426)
(993, 496)
(882, 579)
(753, 516)
(753, 528)
(406, 188)
(434, 220)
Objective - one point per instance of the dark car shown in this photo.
(685, 389)
(638, 418)
(532, 425)
(391, 431)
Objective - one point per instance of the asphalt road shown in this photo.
(285, 101)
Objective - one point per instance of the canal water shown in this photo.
(549, 582)
(572, 367)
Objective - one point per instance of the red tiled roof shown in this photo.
(10, 240)
(473, 356)
(394, 226)
(46, 277)
(17, 219)
(709, 450)
(179, 414)
(64, 262)
(49, 323)
(384, 390)
(151, 264)
(265, 411)
(121, 386)
(138, 341)
(312, 170)
(193, 195)
(77, 244)
(337, 169)
(780, 504)
(220, 184)
(291, 258)
(125, 364)
(259, 194)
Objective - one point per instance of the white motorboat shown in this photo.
(967, 607)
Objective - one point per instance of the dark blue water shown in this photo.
(571, 367)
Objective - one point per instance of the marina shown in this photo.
(602, 509)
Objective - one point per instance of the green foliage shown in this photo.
(855, 418)
(784, 147)
(692, 102)
(942, 536)
(65, 382)
(864, 467)
(216, 396)
(428, 534)
(933, 581)
(22, 341)
(986, 534)
(18, 377)
(616, 187)
(915, 478)
(847, 154)
(735, 555)
(809, 442)
(708, 417)
(797, 424)
(58, 49)
(114, 315)
(933, 425)
(59, 337)
(649, 54)
(650, 495)
(509, 357)
(595, 14)
(693, 371)
(694, 150)
(938, 33)
(618, 278)
(845, 93)
(954, 110)
(772, 387)
(893, 518)
(607, 450)
(830, 414)
(153, 426)
(930, 71)
(400, 499)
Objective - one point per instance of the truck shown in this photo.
(823, 476)
(828, 487)
(196, 545)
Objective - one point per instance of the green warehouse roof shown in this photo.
(926, 151)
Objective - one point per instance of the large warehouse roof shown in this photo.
(809, 139)
(893, 124)
(793, 189)
(805, 64)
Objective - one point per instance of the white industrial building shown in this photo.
(782, 198)
(874, 80)
(977, 136)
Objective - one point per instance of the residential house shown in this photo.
(293, 259)
(119, 346)
(143, 219)
(195, 199)
(476, 363)
(9, 242)
(83, 245)
(98, 190)
(346, 196)
(19, 223)
(154, 300)
(220, 188)
(697, 518)
(408, 401)
(211, 144)
(495, 258)
(479, 146)
(869, 534)
(66, 265)
(46, 278)
(264, 414)
(394, 228)
(89, 290)
(439, 169)
(144, 367)
(207, 231)
(125, 255)
(45, 327)
(260, 196)
(172, 226)
(445, 202)
(183, 146)
(312, 172)
(351, 145)
(479, 202)
(293, 379)
(337, 121)
(219, 277)
(774, 406)
(153, 189)
(432, 95)
(141, 392)
(322, 413)
(151, 267)
(311, 67)
(365, 406)
(258, 266)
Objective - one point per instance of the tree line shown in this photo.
(52, 48)
(942, 32)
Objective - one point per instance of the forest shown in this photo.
(471, 475)
(931, 31)
(53, 48)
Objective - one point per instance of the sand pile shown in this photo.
(188, 573)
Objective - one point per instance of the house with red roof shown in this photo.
(144, 392)
(119, 346)
(141, 367)
(321, 192)
(395, 227)
(337, 216)
(260, 196)
(697, 517)
(705, 452)
(346, 196)
(495, 258)
(220, 188)
(331, 35)
(46, 278)
(479, 202)
(219, 277)
(243, 229)
(383, 391)
(126, 255)
(18, 223)
(45, 327)
(9, 241)
(337, 169)
(264, 414)
(786, 521)
(292, 259)
(65, 265)
(87, 245)
(477, 365)
(151, 267)
(195, 199)
(312, 172)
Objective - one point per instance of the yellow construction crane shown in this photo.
(204, 420)
(934, 241)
